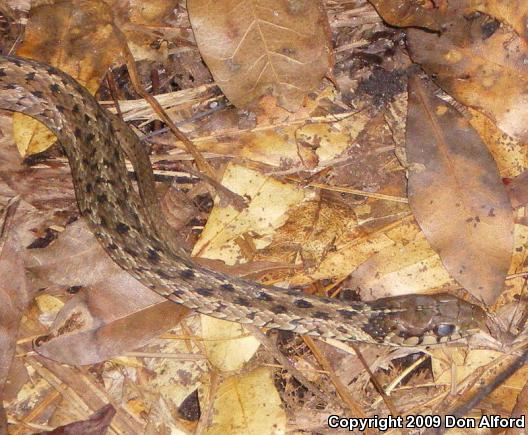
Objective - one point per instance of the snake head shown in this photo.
(423, 320)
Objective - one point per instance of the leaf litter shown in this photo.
(326, 210)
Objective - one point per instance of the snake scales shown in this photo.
(126, 225)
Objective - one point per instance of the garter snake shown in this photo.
(126, 223)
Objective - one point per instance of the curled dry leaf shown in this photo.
(483, 71)
(457, 195)
(254, 47)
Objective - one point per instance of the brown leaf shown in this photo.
(457, 195)
(13, 296)
(408, 13)
(254, 47)
(116, 314)
(83, 44)
(512, 12)
(483, 71)
(96, 424)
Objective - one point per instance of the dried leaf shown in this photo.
(97, 424)
(457, 195)
(518, 190)
(83, 44)
(399, 270)
(248, 403)
(13, 296)
(116, 314)
(410, 13)
(255, 47)
(486, 72)
(229, 346)
(263, 214)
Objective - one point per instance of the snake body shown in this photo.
(124, 222)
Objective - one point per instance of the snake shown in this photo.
(125, 220)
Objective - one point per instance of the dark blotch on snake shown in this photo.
(187, 274)
(227, 287)
(278, 309)
(301, 303)
(102, 198)
(37, 94)
(77, 132)
(321, 315)
(76, 108)
(245, 302)
(153, 256)
(346, 314)
(2, 72)
(60, 108)
(205, 292)
(264, 296)
(112, 246)
(30, 76)
(130, 252)
(163, 274)
(55, 88)
(122, 228)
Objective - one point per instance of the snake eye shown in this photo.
(444, 329)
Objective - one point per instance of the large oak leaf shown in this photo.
(254, 47)
(456, 194)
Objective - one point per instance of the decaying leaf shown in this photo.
(97, 424)
(227, 344)
(485, 71)
(80, 27)
(518, 190)
(264, 213)
(457, 195)
(13, 297)
(399, 270)
(115, 315)
(407, 13)
(254, 47)
(248, 403)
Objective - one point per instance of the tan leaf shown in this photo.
(254, 47)
(263, 214)
(399, 270)
(229, 346)
(248, 403)
(488, 73)
(457, 195)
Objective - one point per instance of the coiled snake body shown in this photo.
(125, 224)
